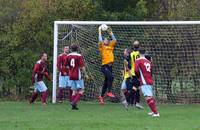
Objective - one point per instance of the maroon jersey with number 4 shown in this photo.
(143, 69)
(60, 65)
(75, 62)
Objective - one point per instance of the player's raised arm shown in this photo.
(100, 35)
(114, 40)
(100, 39)
(111, 33)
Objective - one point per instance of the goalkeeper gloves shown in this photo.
(109, 30)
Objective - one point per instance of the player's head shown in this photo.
(136, 45)
(142, 52)
(74, 48)
(126, 52)
(148, 56)
(106, 41)
(66, 49)
(43, 56)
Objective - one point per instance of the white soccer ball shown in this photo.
(104, 27)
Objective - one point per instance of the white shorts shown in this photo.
(147, 90)
(123, 86)
(40, 86)
(76, 84)
(64, 81)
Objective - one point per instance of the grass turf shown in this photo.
(91, 116)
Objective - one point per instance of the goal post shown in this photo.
(55, 54)
(174, 46)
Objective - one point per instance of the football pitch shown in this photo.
(92, 116)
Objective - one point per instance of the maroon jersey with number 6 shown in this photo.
(143, 69)
(75, 62)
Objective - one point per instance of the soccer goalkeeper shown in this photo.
(106, 48)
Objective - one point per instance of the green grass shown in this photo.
(91, 116)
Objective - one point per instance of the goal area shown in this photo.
(173, 45)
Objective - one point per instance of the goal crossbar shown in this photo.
(128, 22)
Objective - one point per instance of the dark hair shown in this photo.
(41, 54)
(148, 57)
(142, 51)
(74, 48)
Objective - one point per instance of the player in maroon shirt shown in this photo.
(39, 71)
(143, 69)
(63, 75)
(75, 62)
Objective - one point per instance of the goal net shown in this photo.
(174, 47)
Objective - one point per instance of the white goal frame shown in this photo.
(56, 23)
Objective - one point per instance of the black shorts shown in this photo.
(130, 82)
(135, 81)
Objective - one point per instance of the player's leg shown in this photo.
(152, 104)
(69, 88)
(43, 89)
(110, 81)
(74, 106)
(137, 96)
(69, 93)
(136, 84)
(78, 96)
(123, 96)
(80, 91)
(148, 93)
(129, 89)
(73, 88)
(105, 85)
(79, 84)
(60, 94)
(132, 92)
(104, 70)
(34, 94)
(107, 71)
(73, 95)
(130, 95)
(61, 88)
(74, 92)
(103, 91)
(137, 99)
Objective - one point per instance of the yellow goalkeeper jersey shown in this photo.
(126, 71)
(107, 52)
(134, 55)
